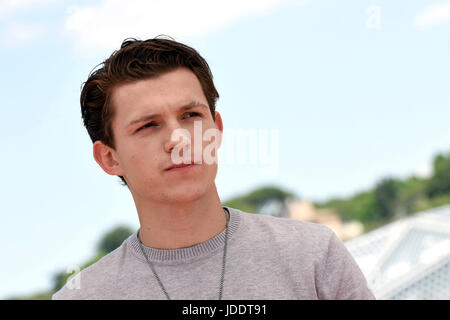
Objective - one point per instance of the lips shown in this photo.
(182, 165)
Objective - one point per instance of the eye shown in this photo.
(196, 114)
(148, 125)
(151, 124)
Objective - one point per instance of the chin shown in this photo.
(182, 192)
(185, 196)
(189, 194)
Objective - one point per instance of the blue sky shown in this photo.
(355, 91)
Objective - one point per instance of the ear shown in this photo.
(219, 126)
(107, 159)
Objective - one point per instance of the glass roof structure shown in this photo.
(408, 258)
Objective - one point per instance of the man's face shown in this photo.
(145, 150)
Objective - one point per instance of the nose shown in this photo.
(177, 138)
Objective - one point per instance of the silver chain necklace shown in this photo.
(227, 218)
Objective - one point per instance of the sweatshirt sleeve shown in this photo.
(338, 276)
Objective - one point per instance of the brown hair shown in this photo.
(137, 60)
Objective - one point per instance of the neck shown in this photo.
(172, 226)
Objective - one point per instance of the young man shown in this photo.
(143, 109)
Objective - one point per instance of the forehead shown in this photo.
(162, 94)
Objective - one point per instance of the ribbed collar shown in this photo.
(187, 253)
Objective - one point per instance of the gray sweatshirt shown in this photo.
(267, 258)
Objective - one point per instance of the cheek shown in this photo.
(143, 160)
(211, 145)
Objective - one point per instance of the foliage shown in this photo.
(439, 183)
(110, 241)
(411, 194)
(254, 200)
(437, 201)
(386, 198)
(60, 278)
(43, 295)
(241, 203)
(360, 207)
(261, 195)
(394, 198)
(114, 239)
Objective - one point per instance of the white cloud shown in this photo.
(19, 34)
(433, 15)
(12, 6)
(108, 23)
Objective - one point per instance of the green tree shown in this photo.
(361, 207)
(109, 242)
(114, 239)
(439, 183)
(386, 198)
(254, 200)
(60, 278)
(261, 195)
(241, 203)
(412, 194)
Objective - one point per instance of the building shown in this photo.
(409, 258)
(306, 211)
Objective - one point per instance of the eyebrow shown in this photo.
(148, 117)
